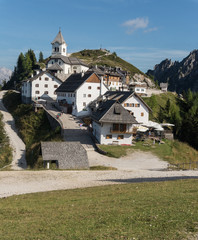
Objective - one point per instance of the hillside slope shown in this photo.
(104, 57)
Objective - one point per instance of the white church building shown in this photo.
(58, 68)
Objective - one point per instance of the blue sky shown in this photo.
(143, 32)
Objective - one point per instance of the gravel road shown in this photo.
(19, 162)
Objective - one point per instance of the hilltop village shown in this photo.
(107, 96)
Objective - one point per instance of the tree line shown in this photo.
(25, 67)
(184, 115)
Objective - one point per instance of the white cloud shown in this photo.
(151, 30)
(135, 24)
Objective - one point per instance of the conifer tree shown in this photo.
(41, 60)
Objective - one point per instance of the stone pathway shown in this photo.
(19, 161)
(72, 128)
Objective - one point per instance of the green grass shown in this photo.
(143, 211)
(174, 152)
(157, 101)
(102, 168)
(97, 57)
(33, 128)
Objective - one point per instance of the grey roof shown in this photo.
(111, 111)
(97, 70)
(59, 38)
(55, 66)
(40, 74)
(73, 82)
(70, 155)
(68, 60)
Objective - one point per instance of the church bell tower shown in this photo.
(59, 45)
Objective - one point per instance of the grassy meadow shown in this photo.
(150, 211)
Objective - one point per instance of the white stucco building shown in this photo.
(112, 124)
(76, 93)
(132, 102)
(41, 86)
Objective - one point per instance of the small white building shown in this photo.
(41, 86)
(164, 87)
(76, 93)
(138, 87)
(112, 124)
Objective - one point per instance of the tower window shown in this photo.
(63, 49)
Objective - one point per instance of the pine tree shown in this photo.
(32, 57)
(21, 68)
(41, 60)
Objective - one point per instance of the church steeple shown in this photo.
(59, 45)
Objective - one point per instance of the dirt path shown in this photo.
(19, 162)
(17, 182)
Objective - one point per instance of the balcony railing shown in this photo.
(121, 132)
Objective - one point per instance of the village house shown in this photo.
(112, 123)
(59, 68)
(76, 93)
(40, 86)
(131, 101)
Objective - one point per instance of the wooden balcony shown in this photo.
(120, 132)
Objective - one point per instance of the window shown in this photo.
(89, 87)
(46, 79)
(52, 62)
(73, 94)
(142, 90)
(55, 93)
(59, 63)
(39, 78)
(120, 137)
(142, 114)
(36, 85)
(137, 89)
(89, 95)
(63, 49)
(37, 92)
(84, 95)
(55, 86)
(125, 104)
(108, 136)
(137, 105)
(115, 127)
(84, 104)
(56, 60)
(46, 85)
(46, 92)
(98, 88)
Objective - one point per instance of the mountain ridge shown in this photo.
(180, 76)
(5, 74)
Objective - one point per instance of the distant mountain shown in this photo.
(179, 75)
(5, 74)
(105, 57)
